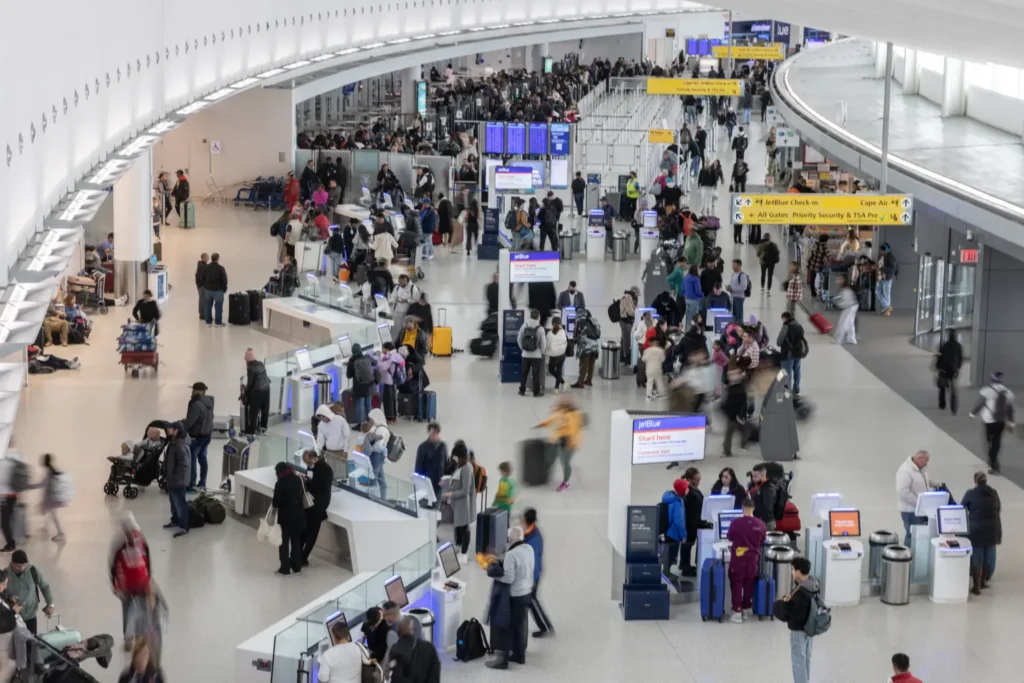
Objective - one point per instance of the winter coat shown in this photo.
(541, 341)
(676, 517)
(983, 507)
(557, 343)
(256, 378)
(199, 418)
(736, 490)
(463, 496)
(911, 481)
(178, 460)
(288, 501)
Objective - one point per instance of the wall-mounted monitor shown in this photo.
(669, 438)
(559, 139)
(515, 139)
(559, 174)
(494, 138)
(513, 179)
(538, 139)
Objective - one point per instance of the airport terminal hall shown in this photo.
(453, 340)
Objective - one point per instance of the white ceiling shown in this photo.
(979, 30)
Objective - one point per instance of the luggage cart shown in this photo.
(137, 346)
(90, 291)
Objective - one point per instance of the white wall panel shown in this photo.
(998, 111)
(931, 85)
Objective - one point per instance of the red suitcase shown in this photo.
(821, 323)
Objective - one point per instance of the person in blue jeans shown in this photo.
(375, 445)
(177, 465)
(792, 348)
(986, 530)
(199, 427)
(364, 375)
(886, 273)
(215, 284)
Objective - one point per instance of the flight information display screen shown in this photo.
(515, 140)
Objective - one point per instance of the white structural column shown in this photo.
(133, 225)
(409, 78)
(911, 76)
(539, 52)
(954, 89)
(880, 60)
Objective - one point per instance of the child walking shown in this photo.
(508, 490)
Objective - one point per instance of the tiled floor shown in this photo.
(220, 581)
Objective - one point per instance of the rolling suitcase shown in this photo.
(535, 468)
(764, 596)
(492, 531)
(188, 215)
(428, 405)
(484, 346)
(407, 405)
(641, 373)
(441, 340)
(238, 308)
(821, 323)
(348, 400)
(255, 305)
(712, 589)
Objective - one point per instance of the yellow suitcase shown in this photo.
(441, 341)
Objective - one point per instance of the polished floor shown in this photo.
(220, 583)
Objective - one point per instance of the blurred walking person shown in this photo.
(947, 368)
(998, 411)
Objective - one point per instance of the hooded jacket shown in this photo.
(178, 460)
(333, 434)
(199, 418)
(256, 378)
(676, 530)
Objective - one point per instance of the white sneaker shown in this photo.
(736, 618)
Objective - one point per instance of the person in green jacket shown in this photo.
(507, 492)
(675, 278)
(693, 248)
(26, 582)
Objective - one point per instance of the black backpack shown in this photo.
(662, 518)
(530, 340)
(614, 314)
(471, 641)
(510, 220)
(275, 229)
(800, 347)
(781, 498)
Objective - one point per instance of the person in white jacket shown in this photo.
(401, 296)
(375, 445)
(557, 346)
(383, 245)
(332, 434)
(911, 481)
(639, 334)
(846, 331)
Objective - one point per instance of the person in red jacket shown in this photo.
(291, 191)
(901, 670)
(130, 569)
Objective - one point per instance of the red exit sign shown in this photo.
(968, 256)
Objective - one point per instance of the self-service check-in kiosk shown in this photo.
(921, 535)
(649, 237)
(446, 594)
(707, 539)
(596, 233)
(843, 558)
(951, 556)
(302, 385)
(815, 536)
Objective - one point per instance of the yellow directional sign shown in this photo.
(771, 52)
(661, 136)
(822, 209)
(694, 86)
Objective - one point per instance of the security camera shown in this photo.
(970, 235)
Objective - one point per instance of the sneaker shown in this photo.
(170, 525)
(577, 385)
(542, 634)
(522, 392)
(736, 618)
(283, 572)
(564, 486)
(588, 383)
(10, 548)
(219, 325)
(672, 465)
(209, 324)
(180, 533)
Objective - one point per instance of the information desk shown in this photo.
(355, 529)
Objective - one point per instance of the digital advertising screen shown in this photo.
(548, 63)
(952, 519)
(515, 139)
(533, 266)
(494, 138)
(844, 522)
(421, 97)
(513, 178)
(559, 139)
(538, 139)
(673, 438)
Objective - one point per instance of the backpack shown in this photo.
(396, 447)
(363, 371)
(20, 477)
(801, 348)
(663, 522)
(781, 498)
(614, 314)
(274, 229)
(746, 292)
(131, 573)
(510, 220)
(593, 330)
(399, 374)
(63, 489)
(471, 641)
(531, 339)
(479, 477)
(820, 618)
(741, 143)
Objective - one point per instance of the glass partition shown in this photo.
(308, 631)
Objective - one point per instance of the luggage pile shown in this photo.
(245, 307)
(205, 509)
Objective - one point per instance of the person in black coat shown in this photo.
(308, 181)
(375, 631)
(319, 477)
(947, 368)
(200, 279)
(412, 660)
(291, 516)
(728, 484)
(983, 508)
(693, 503)
(147, 311)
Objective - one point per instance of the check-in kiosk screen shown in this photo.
(844, 522)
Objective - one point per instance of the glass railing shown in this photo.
(340, 296)
(308, 631)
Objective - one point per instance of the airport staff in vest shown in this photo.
(632, 193)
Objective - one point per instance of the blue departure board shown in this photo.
(515, 141)
(538, 138)
(494, 139)
(560, 139)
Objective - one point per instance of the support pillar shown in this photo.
(954, 88)
(133, 226)
(880, 60)
(911, 76)
(886, 102)
(409, 78)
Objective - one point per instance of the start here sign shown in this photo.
(676, 438)
(533, 266)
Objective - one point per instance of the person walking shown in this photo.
(911, 481)
(177, 468)
(255, 394)
(734, 406)
(565, 426)
(846, 330)
(793, 348)
(948, 362)
(816, 260)
(901, 670)
(462, 497)
(199, 427)
(797, 611)
(57, 492)
(215, 285)
(130, 569)
(794, 288)
(557, 344)
(147, 311)
(986, 530)
(739, 289)
(532, 343)
(204, 260)
(887, 270)
(26, 583)
(288, 496)
(141, 668)
(747, 534)
(767, 256)
(579, 188)
(998, 411)
(533, 538)
(319, 480)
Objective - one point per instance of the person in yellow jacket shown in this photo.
(632, 192)
(565, 425)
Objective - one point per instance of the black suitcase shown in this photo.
(484, 346)
(535, 467)
(641, 373)
(492, 531)
(238, 308)
(407, 405)
(255, 305)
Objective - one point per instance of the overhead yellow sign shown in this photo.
(704, 87)
(822, 209)
(770, 52)
(661, 136)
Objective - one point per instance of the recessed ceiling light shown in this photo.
(550, 21)
(272, 72)
(137, 145)
(162, 127)
(81, 198)
(109, 171)
(425, 36)
(347, 51)
(245, 83)
(373, 46)
(399, 41)
(476, 28)
(320, 58)
(219, 95)
(299, 64)
(500, 26)
(453, 32)
(192, 108)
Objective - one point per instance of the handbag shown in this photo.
(307, 497)
(269, 531)
(371, 670)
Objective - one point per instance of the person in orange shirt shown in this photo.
(565, 425)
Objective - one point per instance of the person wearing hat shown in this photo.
(177, 465)
(998, 411)
(27, 583)
(675, 533)
(747, 534)
(198, 425)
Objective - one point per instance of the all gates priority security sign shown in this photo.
(822, 209)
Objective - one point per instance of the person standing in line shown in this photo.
(692, 504)
(632, 193)
(998, 411)
(363, 374)
(747, 535)
(846, 330)
(533, 538)
(816, 260)
(675, 535)
(215, 284)
(654, 360)
(431, 456)
(794, 287)
(798, 610)
(164, 188)
(181, 191)
(739, 286)
(288, 495)
(410, 660)
(343, 661)
(986, 530)
(204, 259)
(947, 368)
(532, 343)
(887, 271)
(178, 468)
(557, 344)
(319, 478)
(199, 427)
(579, 189)
(901, 670)
(911, 481)
(332, 435)
(693, 295)
(516, 570)
(627, 319)
(768, 256)
(26, 583)
(472, 224)
(255, 394)
(793, 348)
(462, 498)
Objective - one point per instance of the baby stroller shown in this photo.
(138, 465)
(56, 656)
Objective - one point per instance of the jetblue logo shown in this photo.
(782, 30)
(520, 257)
(647, 424)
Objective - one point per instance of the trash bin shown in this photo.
(896, 574)
(426, 618)
(565, 246)
(609, 360)
(576, 239)
(323, 389)
(780, 560)
(620, 245)
(876, 543)
(773, 539)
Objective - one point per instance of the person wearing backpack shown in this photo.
(793, 348)
(28, 584)
(363, 374)
(335, 252)
(765, 494)
(532, 343)
(130, 570)
(998, 411)
(797, 613)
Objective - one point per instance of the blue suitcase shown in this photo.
(646, 603)
(428, 405)
(643, 574)
(488, 252)
(712, 589)
(764, 596)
